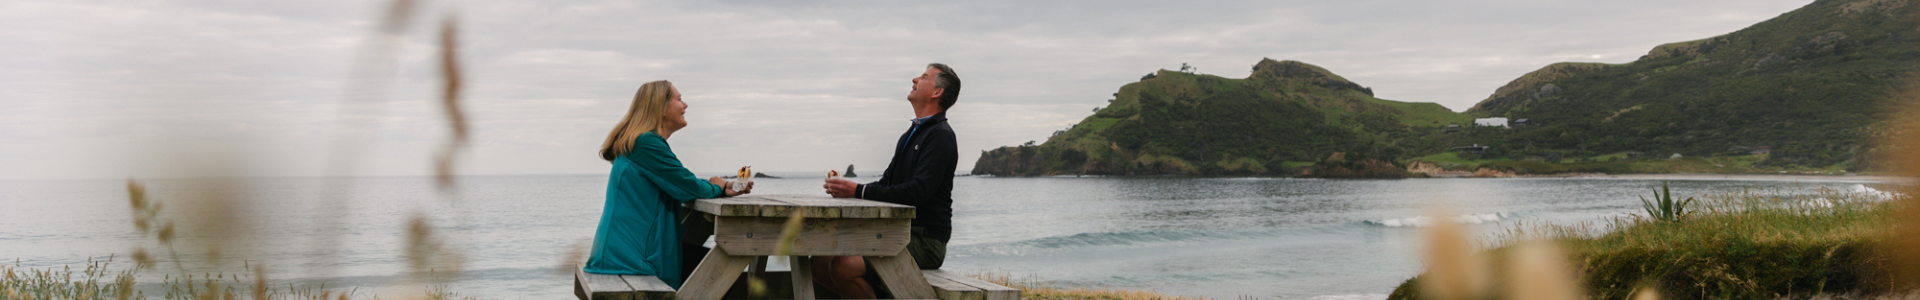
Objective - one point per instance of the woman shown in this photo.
(638, 233)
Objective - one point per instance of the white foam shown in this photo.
(1872, 192)
(1423, 221)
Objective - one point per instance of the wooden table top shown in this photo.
(820, 207)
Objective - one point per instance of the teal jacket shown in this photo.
(639, 229)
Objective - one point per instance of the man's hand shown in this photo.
(840, 188)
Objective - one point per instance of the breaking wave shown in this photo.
(1424, 221)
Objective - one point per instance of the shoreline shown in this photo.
(1706, 176)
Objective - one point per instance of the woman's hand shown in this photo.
(744, 191)
(727, 190)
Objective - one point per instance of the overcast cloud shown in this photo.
(108, 89)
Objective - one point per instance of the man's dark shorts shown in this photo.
(928, 252)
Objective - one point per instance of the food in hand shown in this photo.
(746, 176)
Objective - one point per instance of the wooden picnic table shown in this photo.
(747, 230)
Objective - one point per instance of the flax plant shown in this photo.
(1662, 207)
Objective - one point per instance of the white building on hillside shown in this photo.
(1495, 122)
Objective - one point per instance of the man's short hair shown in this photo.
(948, 81)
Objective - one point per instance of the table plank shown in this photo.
(990, 291)
(600, 286)
(948, 289)
(774, 206)
(835, 237)
(648, 287)
(741, 206)
(810, 207)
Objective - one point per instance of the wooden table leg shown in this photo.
(802, 277)
(902, 276)
(715, 275)
(757, 271)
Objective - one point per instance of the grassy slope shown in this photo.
(1809, 83)
(1287, 114)
(1812, 84)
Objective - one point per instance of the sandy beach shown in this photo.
(1768, 177)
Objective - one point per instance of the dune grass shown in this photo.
(1741, 245)
(100, 279)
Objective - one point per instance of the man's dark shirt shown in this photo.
(921, 175)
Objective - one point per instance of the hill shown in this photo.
(1807, 90)
(1809, 85)
(1284, 115)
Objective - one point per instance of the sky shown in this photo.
(159, 88)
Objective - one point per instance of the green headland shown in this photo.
(1809, 91)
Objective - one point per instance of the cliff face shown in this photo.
(1284, 116)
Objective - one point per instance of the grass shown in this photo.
(1744, 245)
(99, 279)
(1618, 163)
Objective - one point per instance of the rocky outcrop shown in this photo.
(1431, 170)
(1290, 70)
(1532, 86)
(1491, 173)
(1339, 166)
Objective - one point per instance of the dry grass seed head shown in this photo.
(1454, 270)
(398, 13)
(576, 256)
(426, 254)
(1646, 294)
(450, 103)
(259, 282)
(1903, 245)
(1540, 271)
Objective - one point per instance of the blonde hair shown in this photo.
(647, 114)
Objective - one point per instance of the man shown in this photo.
(920, 174)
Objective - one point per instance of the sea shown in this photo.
(515, 237)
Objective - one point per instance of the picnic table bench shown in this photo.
(747, 230)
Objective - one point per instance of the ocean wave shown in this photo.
(1351, 297)
(1124, 240)
(1098, 239)
(1424, 221)
(1865, 190)
(1853, 193)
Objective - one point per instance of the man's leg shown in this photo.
(821, 267)
(844, 275)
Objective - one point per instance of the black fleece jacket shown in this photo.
(921, 175)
